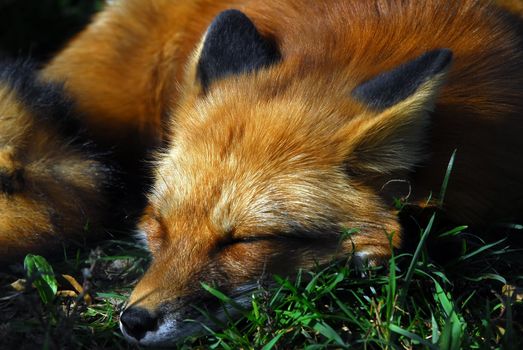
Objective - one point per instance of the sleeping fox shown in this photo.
(53, 186)
(285, 122)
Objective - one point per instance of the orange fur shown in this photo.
(50, 190)
(262, 172)
(130, 60)
(514, 6)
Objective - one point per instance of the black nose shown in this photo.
(137, 321)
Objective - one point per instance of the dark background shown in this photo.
(39, 28)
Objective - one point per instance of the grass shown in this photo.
(472, 301)
(91, 288)
(412, 303)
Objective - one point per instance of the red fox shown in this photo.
(53, 185)
(283, 122)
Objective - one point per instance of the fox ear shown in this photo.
(233, 45)
(391, 136)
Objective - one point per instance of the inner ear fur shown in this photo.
(390, 136)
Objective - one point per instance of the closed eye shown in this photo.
(301, 237)
(247, 240)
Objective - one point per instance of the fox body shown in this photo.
(514, 6)
(51, 184)
(285, 122)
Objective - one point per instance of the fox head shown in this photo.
(270, 160)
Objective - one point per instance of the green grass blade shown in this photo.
(42, 275)
(273, 342)
(435, 329)
(328, 332)
(412, 336)
(445, 184)
(453, 332)
(410, 272)
(454, 232)
(480, 250)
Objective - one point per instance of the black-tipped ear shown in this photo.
(394, 86)
(233, 45)
(390, 136)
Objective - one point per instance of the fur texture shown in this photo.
(262, 169)
(514, 6)
(51, 185)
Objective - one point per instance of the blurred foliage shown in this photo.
(38, 28)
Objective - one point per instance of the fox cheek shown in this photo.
(150, 233)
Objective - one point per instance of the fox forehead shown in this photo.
(248, 202)
(247, 165)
